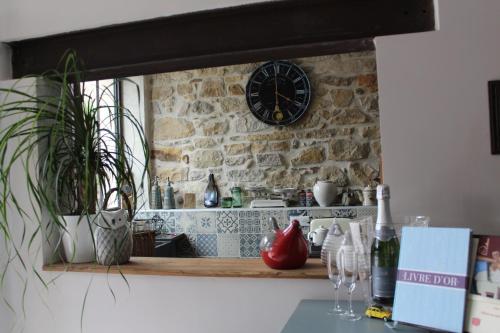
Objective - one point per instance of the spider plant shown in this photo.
(77, 158)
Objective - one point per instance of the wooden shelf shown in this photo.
(215, 267)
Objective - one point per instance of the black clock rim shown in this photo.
(306, 105)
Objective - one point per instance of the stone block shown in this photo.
(317, 134)
(185, 88)
(207, 158)
(271, 159)
(252, 175)
(368, 82)
(313, 155)
(376, 148)
(282, 178)
(214, 127)
(369, 132)
(169, 128)
(258, 147)
(349, 117)
(342, 98)
(213, 87)
(237, 148)
(169, 154)
(236, 89)
(282, 146)
(275, 136)
(175, 174)
(238, 160)
(249, 124)
(234, 105)
(202, 108)
(348, 150)
(337, 81)
(361, 174)
(204, 143)
(334, 174)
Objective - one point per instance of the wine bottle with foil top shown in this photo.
(384, 252)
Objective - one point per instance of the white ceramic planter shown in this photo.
(324, 192)
(77, 239)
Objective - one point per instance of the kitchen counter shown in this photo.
(215, 267)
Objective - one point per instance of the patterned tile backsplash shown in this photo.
(234, 233)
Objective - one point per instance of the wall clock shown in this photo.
(278, 93)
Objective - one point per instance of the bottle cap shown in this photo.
(383, 192)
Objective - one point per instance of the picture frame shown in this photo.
(494, 101)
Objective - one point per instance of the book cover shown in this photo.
(431, 285)
(486, 279)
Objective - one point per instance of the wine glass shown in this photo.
(334, 277)
(349, 276)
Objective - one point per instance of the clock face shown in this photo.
(278, 93)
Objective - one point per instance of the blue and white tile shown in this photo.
(186, 223)
(206, 222)
(249, 222)
(296, 212)
(227, 222)
(228, 245)
(169, 219)
(367, 211)
(249, 245)
(206, 245)
(319, 213)
(280, 215)
(192, 240)
(344, 212)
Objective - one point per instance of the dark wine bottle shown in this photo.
(211, 193)
(384, 252)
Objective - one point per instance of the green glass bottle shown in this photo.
(384, 251)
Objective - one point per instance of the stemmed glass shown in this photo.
(334, 277)
(349, 275)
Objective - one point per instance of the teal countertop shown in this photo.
(311, 316)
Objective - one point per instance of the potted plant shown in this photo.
(79, 158)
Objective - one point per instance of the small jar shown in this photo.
(302, 198)
(236, 193)
(227, 202)
(309, 198)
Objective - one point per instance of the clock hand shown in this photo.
(288, 99)
(276, 107)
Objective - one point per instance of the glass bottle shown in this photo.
(156, 194)
(168, 199)
(211, 198)
(384, 252)
(236, 193)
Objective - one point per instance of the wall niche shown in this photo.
(200, 123)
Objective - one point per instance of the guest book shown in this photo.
(431, 285)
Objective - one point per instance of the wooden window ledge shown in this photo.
(215, 267)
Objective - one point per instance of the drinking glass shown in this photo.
(334, 277)
(349, 276)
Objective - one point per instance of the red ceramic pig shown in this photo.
(288, 250)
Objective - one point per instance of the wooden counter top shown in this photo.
(215, 267)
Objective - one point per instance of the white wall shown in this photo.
(435, 139)
(435, 120)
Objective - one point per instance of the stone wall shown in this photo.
(200, 123)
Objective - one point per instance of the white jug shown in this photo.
(325, 192)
